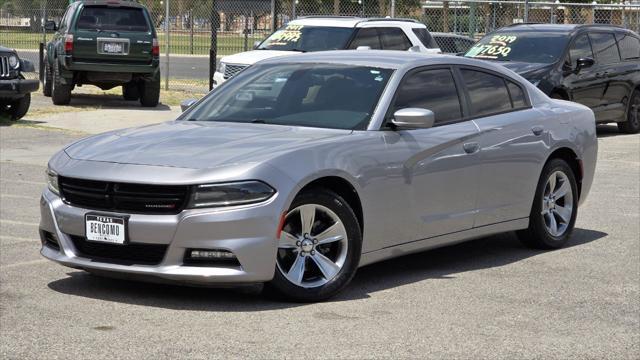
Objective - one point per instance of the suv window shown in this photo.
(432, 89)
(101, 18)
(488, 93)
(425, 38)
(629, 46)
(605, 48)
(366, 37)
(581, 48)
(393, 39)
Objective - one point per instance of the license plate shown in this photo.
(105, 228)
(112, 48)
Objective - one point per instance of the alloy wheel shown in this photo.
(557, 204)
(313, 244)
(634, 116)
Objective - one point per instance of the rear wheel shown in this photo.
(319, 247)
(61, 93)
(47, 80)
(149, 93)
(554, 209)
(632, 125)
(130, 91)
(20, 107)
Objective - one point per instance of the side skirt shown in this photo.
(442, 240)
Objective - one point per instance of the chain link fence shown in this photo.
(184, 27)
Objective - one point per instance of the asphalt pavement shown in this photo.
(487, 299)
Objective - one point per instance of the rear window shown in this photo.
(629, 46)
(104, 18)
(425, 38)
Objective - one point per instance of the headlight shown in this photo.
(229, 194)
(14, 62)
(52, 181)
(221, 67)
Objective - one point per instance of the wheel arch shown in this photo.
(344, 188)
(567, 154)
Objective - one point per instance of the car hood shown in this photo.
(198, 145)
(252, 57)
(527, 70)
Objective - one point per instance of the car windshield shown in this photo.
(307, 38)
(525, 46)
(103, 18)
(313, 95)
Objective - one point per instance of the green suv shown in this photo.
(106, 43)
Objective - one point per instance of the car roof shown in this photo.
(389, 59)
(566, 28)
(348, 21)
(451, 35)
(112, 3)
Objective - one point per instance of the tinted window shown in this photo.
(431, 89)
(581, 48)
(517, 95)
(307, 38)
(488, 93)
(425, 38)
(629, 46)
(526, 46)
(112, 18)
(314, 95)
(393, 39)
(605, 48)
(366, 37)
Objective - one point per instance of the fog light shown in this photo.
(211, 255)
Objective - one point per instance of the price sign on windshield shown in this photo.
(289, 34)
(498, 46)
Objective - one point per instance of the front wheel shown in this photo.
(319, 247)
(632, 125)
(554, 209)
(20, 107)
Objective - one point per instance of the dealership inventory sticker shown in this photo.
(498, 46)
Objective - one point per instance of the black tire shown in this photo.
(20, 107)
(149, 93)
(61, 93)
(47, 80)
(632, 125)
(283, 288)
(537, 235)
(130, 91)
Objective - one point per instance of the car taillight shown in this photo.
(155, 49)
(68, 43)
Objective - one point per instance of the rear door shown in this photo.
(611, 74)
(113, 34)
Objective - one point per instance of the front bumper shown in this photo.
(249, 232)
(17, 87)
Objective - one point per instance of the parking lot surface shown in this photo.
(490, 298)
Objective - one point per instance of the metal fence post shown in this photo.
(213, 49)
(393, 8)
(526, 11)
(274, 14)
(166, 31)
(593, 11)
(191, 30)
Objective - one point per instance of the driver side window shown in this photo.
(581, 48)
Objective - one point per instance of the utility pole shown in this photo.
(166, 31)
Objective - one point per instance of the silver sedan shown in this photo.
(300, 170)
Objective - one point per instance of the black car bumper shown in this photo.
(16, 88)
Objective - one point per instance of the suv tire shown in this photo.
(333, 239)
(20, 107)
(61, 93)
(131, 91)
(149, 93)
(47, 80)
(555, 207)
(632, 125)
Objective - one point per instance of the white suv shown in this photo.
(331, 33)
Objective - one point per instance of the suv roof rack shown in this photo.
(391, 19)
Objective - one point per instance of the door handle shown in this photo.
(471, 147)
(537, 130)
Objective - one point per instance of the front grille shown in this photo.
(231, 70)
(128, 254)
(5, 70)
(49, 240)
(124, 197)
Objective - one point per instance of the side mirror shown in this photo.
(414, 118)
(583, 63)
(414, 49)
(185, 104)
(256, 44)
(50, 25)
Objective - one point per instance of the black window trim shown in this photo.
(463, 106)
(504, 78)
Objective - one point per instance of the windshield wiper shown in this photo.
(298, 50)
(258, 121)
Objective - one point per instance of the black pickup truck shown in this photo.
(15, 90)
